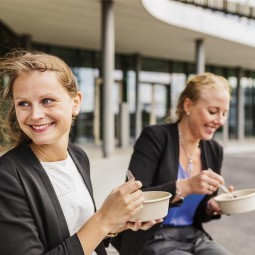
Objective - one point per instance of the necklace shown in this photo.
(189, 156)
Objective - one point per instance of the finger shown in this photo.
(129, 187)
(231, 188)
(134, 226)
(138, 224)
(209, 191)
(135, 199)
(212, 188)
(149, 224)
(136, 205)
(217, 212)
(215, 176)
(133, 185)
(214, 180)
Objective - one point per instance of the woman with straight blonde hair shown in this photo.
(183, 158)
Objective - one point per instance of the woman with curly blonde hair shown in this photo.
(46, 196)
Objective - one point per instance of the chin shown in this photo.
(41, 141)
(208, 137)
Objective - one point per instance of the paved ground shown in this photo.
(236, 232)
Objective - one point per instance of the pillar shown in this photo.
(200, 56)
(138, 111)
(240, 106)
(25, 41)
(153, 117)
(108, 47)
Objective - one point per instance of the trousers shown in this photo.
(186, 240)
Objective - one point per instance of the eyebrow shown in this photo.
(20, 98)
(45, 95)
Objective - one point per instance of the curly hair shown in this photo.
(195, 87)
(11, 66)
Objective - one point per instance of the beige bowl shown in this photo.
(156, 204)
(243, 201)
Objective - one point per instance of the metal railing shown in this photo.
(225, 6)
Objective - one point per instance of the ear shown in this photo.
(77, 103)
(187, 105)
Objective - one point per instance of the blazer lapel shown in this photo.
(34, 165)
(84, 170)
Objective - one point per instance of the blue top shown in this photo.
(183, 215)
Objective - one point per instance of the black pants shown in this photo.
(182, 241)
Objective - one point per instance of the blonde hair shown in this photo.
(195, 87)
(11, 66)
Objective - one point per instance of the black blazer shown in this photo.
(155, 163)
(31, 219)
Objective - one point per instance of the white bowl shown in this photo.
(242, 201)
(156, 204)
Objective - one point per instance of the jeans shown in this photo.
(182, 241)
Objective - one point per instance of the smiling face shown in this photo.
(208, 113)
(44, 109)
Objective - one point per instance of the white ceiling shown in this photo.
(77, 23)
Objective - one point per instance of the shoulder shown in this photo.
(213, 147)
(75, 148)
(14, 156)
(157, 137)
(17, 163)
(162, 130)
(161, 133)
(78, 153)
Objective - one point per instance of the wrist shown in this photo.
(102, 222)
(179, 192)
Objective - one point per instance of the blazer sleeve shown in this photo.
(18, 231)
(148, 162)
(212, 158)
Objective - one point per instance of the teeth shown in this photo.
(41, 127)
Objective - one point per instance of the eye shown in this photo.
(23, 104)
(47, 100)
(225, 113)
(212, 112)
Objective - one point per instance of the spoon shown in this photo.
(225, 189)
(130, 176)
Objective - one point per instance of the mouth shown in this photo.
(211, 129)
(42, 127)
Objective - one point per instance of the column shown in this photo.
(240, 106)
(124, 117)
(25, 41)
(153, 117)
(96, 120)
(108, 47)
(170, 109)
(138, 112)
(200, 56)
(226, 125)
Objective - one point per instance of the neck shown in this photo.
(49, 154)
(187, 137)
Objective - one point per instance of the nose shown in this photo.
(221, 118)
(37, 112)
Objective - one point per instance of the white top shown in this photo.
(71, 191)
